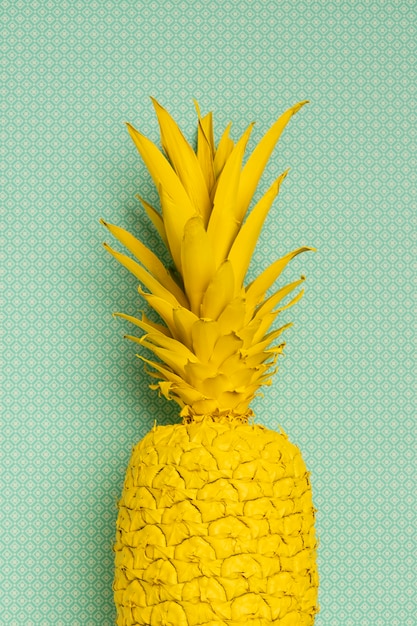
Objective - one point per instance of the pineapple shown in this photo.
(216, 521)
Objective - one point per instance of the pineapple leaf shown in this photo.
(206, 123)
(205, 334)
(156, 219)
(184, 321)
(224, 150)
(257, 161)
(175, 218)
(145, 324)
(205, 149)
(161, 171)
(197, 262)
(268, 318)
(219, 292)
(148, 259)
(255, 292)
(168, 343)
(184, 161)
(244, 245)
(144, 276)
(164, 308)
(175, 361)
(279, 295)
(223, 225)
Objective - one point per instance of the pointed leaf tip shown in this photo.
(300, 104)
(184, 161)
(197, 107)
(257, 161)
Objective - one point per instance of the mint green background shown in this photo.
(75, 397)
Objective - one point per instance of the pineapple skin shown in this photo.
(216, 528)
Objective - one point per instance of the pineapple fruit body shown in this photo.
(216, 528)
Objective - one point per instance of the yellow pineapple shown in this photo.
(216, 521)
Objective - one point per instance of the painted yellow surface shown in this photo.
(216, 527)
(216, 347)
(216, 522)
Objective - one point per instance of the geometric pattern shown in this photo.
(75, 399)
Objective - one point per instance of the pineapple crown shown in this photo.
(215, 347)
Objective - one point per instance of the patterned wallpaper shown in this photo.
(75, 398)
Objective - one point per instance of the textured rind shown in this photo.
(216, 528)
